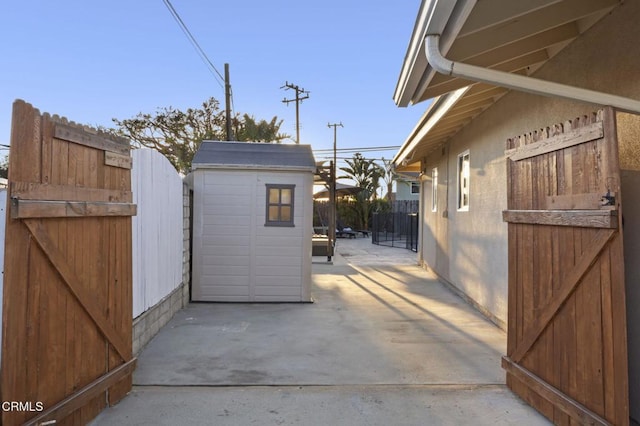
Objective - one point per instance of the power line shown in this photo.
(194, 43)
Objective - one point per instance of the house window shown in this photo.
(415, 187)
(463, 181)
(434, 190)
(280, 205)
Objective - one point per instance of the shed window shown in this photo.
(280, 205)
(464, 173)
(415, 187)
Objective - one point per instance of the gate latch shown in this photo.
(608, 199)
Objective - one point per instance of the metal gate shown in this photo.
(67, 301)
(567, 349)
(395, 230)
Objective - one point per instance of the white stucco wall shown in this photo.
(235, 256)
(469, 249)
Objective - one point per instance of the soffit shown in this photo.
(506, 35)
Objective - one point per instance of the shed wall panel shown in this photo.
(277, 260)
(220, 250)
(226, 229)
(278, 290)
(226, 240)
(226, 260)
(278, 271)
(221, 270)
(277, 298)
(279, 281)
(267, 250)
(238, 258)
(224, 292)
(232, 203)
(228, 179)
(227, 220)
(230, 281)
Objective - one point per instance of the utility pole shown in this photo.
(227, 99)
(298, 99)
(332, 185)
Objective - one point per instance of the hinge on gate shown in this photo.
(608, 199)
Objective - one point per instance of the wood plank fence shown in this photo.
(67, 303)
(567, 348)
(3, 212)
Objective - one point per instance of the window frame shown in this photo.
(416, 185)
(268, 204)
(461, 180)
(434, 189)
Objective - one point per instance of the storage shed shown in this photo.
(252, 222)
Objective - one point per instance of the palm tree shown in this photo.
(366, 174)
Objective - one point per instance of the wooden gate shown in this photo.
(567, 349)
(66, 341)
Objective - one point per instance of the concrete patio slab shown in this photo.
(384, 340)
(322, 406)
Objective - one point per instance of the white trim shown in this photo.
(434, 190)
(440, 106)
(444, 17)
(460, 205)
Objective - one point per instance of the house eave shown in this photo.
(491, 34)
(436, 111)
(499, 37)
(443, 17)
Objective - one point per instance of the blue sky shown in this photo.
(94, 60)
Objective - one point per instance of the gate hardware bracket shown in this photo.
(608, 199)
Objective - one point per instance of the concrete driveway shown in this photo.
(384, 343)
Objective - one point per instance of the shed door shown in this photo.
(567, 348)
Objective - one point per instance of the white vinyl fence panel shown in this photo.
(157, 229)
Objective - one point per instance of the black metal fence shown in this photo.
(395, 229)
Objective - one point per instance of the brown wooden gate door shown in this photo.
(67, 304)
(567, 350)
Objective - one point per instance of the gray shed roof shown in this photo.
(252, 155)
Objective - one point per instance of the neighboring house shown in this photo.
(252, 222)
(408, 189)
(460, 148)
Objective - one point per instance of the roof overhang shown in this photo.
(515, 37)
(243, 167)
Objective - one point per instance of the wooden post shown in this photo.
(227, 98)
